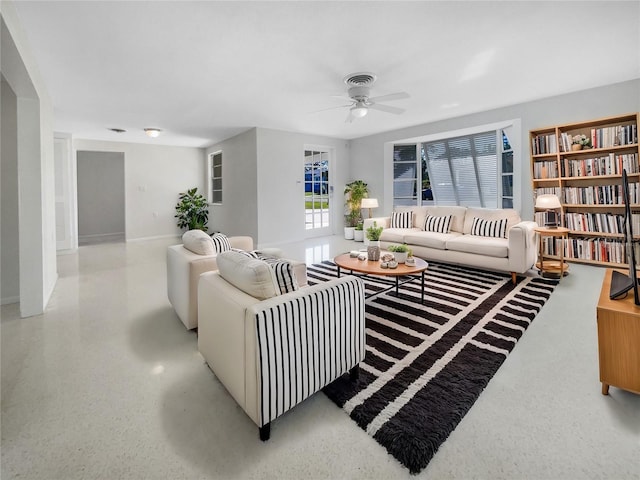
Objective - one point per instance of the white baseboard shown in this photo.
(101, 238)
(157, 237)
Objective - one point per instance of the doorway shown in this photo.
(101, 206)
(317, 191)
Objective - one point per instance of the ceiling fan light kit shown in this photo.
(152, 132)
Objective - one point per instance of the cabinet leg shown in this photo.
(605, 389)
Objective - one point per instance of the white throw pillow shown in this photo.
(488, 228)
(198, 242)
(254, 277)
(437, 224)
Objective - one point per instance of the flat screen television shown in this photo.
(621, 283)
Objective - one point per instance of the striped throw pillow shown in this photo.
(220, 242)
(252, 254)
(402, 219)
(488, 228)
(437, 224)
(284, 274)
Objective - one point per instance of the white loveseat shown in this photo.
(270, 350)
(514, 253)
(196, 255)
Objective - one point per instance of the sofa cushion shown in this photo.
(510, 214)
(283, 270)
(437, 224)
(402, 219)
(489, 228)
(396, 235)
(457, 215)
(487, 246)
(430, 239)
(220, 242)
(254, 277)
(198, 242)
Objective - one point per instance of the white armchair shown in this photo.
(272, 354)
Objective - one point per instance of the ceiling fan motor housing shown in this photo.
(359, 94)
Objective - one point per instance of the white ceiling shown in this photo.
(205, 71)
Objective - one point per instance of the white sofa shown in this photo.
(515, 254)
(273, 352)
(196, 255)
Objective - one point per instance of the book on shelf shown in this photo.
(544, 143)
(609, 250)
(606, 137)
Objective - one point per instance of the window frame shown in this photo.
(211, 177)
(511, 127)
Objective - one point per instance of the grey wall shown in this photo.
(238, 214)
(101, 201)
(10, 266)
(367, 153)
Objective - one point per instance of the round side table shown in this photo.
(552, 267)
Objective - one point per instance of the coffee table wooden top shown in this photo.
(372, 267)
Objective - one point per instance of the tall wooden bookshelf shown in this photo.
(588, 183)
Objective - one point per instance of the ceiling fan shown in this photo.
(359, 100)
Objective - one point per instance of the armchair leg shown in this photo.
(265, 432)
(513, 277)
(354, 373)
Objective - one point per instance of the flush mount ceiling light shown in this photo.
(117, 130)
(152, 132)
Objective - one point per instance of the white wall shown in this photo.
(281, 183)
(10, 264)
(37, 236)
(238, 213)
(154, 176)
(367, 153)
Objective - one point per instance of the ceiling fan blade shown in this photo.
(331, 108)
(342, 97)
(390, 97)
(387, 108)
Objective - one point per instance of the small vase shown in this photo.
(576, 146)
(373, 250)
(358, 235)
(400, 257)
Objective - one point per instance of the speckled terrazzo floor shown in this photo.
(108, 384)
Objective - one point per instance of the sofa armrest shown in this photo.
(308, 337)
(383, 222)
(522, 246)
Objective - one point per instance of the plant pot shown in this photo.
(358, 235)
(400, 257)
(575, 147)
(373, 250)
(348, 232)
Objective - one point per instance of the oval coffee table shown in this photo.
(372, 267)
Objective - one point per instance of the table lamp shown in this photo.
(369, 203)
(549, 203)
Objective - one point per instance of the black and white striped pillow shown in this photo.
(402, 219)
(437, 224)
(252, 254)
(488, 228)
(220, 242)
(284, 274)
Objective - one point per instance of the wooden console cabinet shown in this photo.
(618, 340)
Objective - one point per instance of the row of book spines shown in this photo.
(599, 222)
(606, 137)
(596, 249)
(610, 165)
(545, 143)
(599, 195)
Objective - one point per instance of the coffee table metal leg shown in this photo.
(397, 280)
(422, 299)
(338, 271)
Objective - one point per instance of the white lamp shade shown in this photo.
(548, 201)
(359, 111)
(369, 203)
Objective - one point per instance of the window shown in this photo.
(474, 169)
(215, 182)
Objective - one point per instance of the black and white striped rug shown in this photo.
(426, 365)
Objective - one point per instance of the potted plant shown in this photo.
(354, 193)
(400, 252)
(192, 211)
(580, 141)
(373, 235)
(358, 234)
